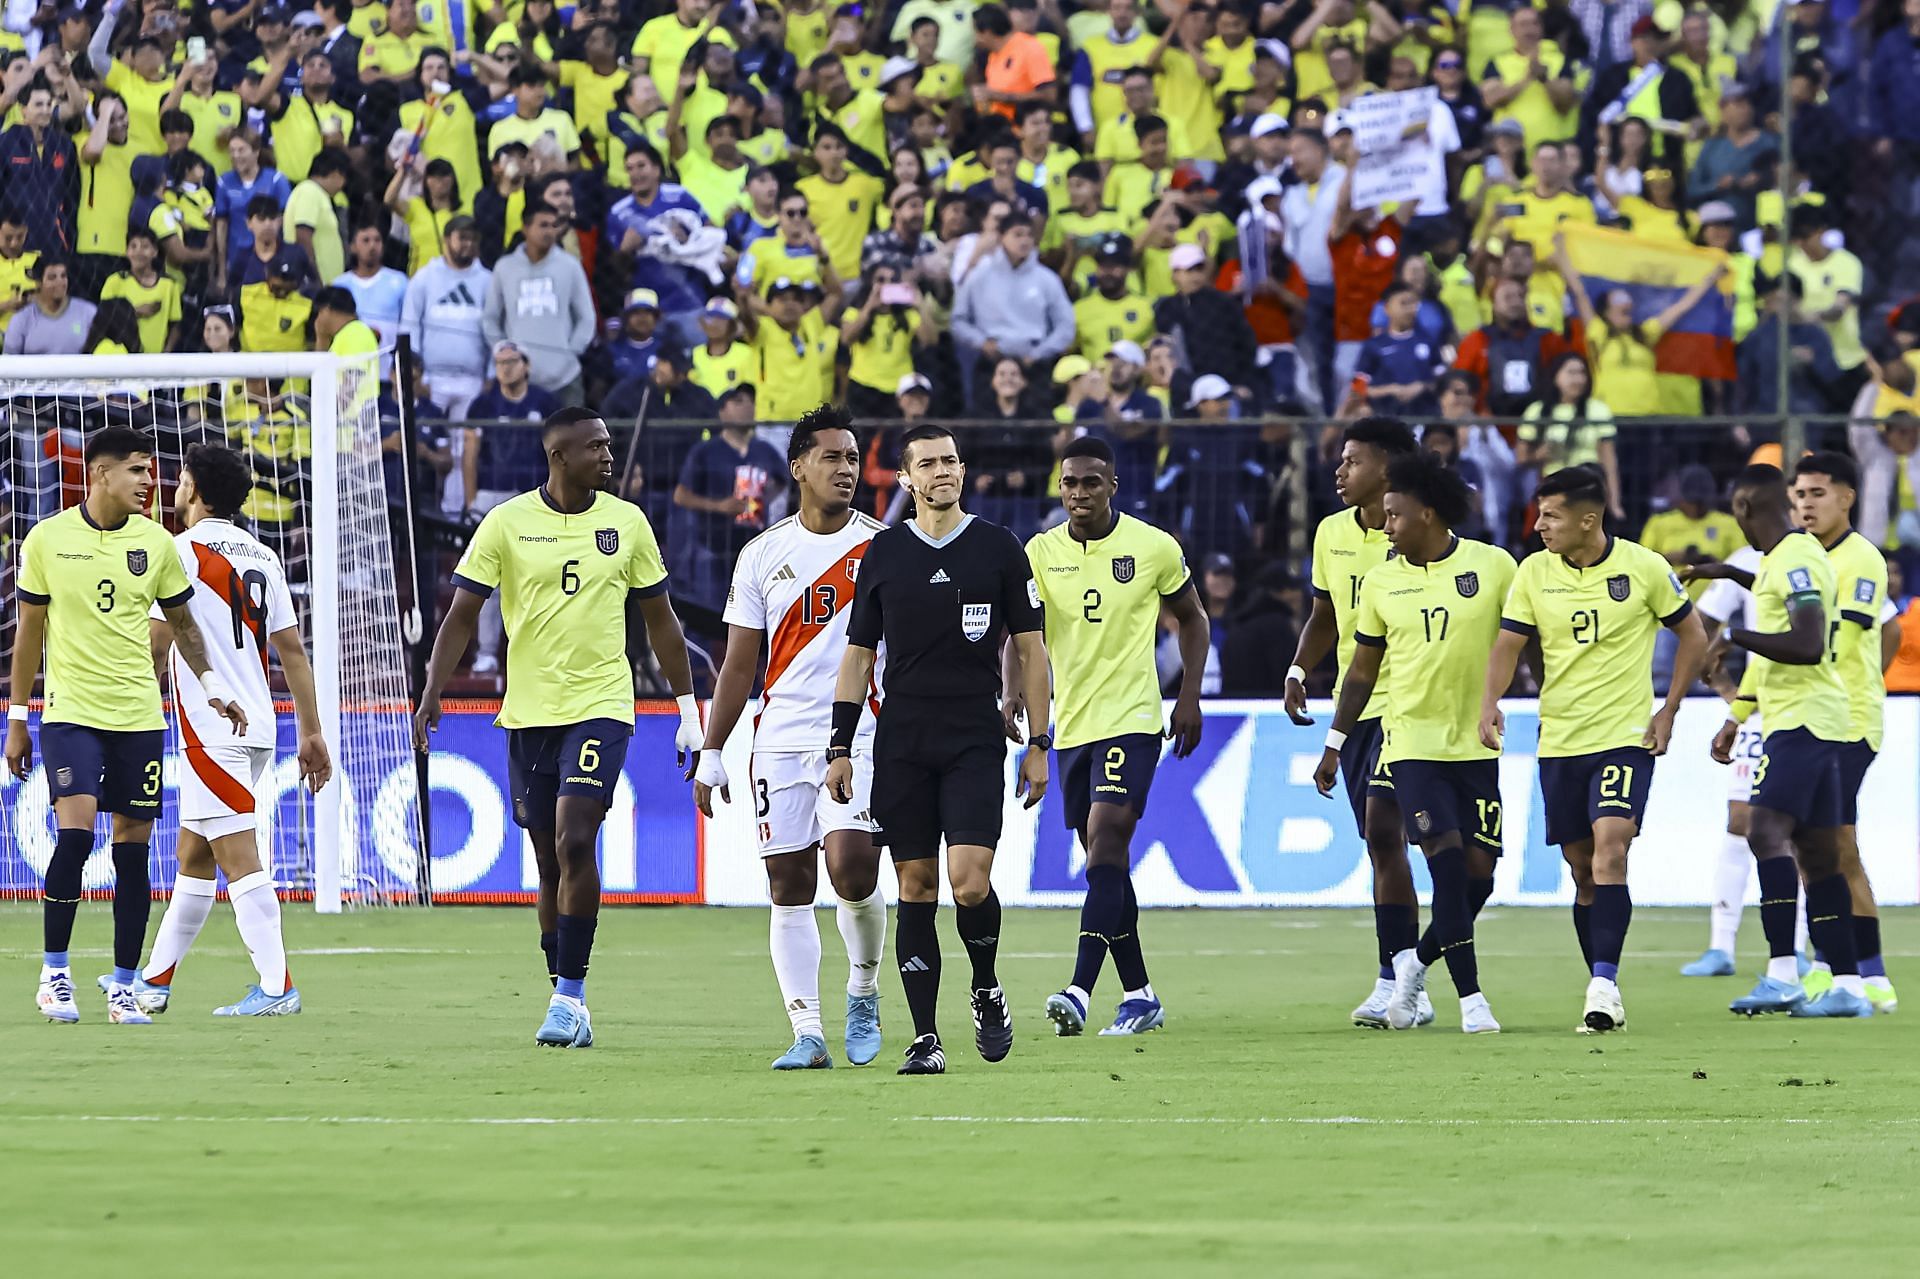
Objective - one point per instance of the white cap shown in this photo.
(1128, 350)
(893, 68)
(1262, 188)
(1337, 122)
(1208, 386)
(1268, 123)
(1186, 257)
(913, 382)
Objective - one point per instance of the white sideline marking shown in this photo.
(1249, 1121)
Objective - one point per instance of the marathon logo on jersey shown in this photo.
(607, 539)
(1619, 587)
(1468, 584)
(137, 563)
(1123, 568)
(975, 619)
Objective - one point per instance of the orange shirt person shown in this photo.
(1018, 68)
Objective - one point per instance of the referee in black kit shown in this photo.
(944, 590)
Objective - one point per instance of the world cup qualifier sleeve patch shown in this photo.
(1863, 590)
(1798, 580)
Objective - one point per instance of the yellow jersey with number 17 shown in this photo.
(98, 586)
(1796, 572)
(1438, 621)
(1344, 552)
(1596, 627)
(563, 581)
(1860, 584)
(1102, 601)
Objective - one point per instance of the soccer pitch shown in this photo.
(407, 1125)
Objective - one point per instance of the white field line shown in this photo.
(1223, 1121)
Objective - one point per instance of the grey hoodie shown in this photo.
(1025, 308)
(546, 308)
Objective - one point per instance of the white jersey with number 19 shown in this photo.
(796, 586)
(240, 597)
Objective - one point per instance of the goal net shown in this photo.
(311, 427)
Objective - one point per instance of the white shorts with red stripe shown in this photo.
(220, 788)
(791, 808)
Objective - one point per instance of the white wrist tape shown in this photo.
(689, 708)
(215, 688)
(1336, 740)
(1294, 672)
(17, 713)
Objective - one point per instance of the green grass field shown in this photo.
(406, 1124)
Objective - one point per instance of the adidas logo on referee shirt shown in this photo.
(939, 576)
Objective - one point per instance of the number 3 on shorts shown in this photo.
(1759, 770)
(590, 755)
(153, 777)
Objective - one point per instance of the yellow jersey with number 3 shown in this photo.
(1344, 552)
(1596, 627)
(1860, 585)
(1437, 621)
(98, 586)
(1102, 603)
(1796, 571)
(563, 582)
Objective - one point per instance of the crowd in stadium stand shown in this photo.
(1042, 218)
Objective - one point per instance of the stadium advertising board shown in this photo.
(1237, 824)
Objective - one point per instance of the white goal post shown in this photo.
(312, 425)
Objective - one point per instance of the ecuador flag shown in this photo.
(1657, 273)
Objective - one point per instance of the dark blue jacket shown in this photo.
(42, 182)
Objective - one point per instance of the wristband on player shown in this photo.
(846, 723)
(1742, 709)
(17, 713)
(214, 687)
(1336, 740)
(689, 709)
(1296, 674)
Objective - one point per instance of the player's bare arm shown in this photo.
(1803, 643)
(1889, 644)
(1194, 633)
(669, 644)
(1316, 637)
(1013, 701)
(856, 671)
(1715, 571)
(1689, 660)
(193, 651)
(316, 763)
(456, 632)
(1355, 689)
(730, 694)
(1502, 664)
(29, 636)
(1036, 682)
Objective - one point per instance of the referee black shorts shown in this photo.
(939, 769)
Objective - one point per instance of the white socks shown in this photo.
(1786, 968)
(187, 911)
(794, 940)
(1731, 875)
(256, 909)
(863, 927)
(1851, 983)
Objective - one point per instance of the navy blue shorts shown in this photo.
(1799, 775)
(1437, 796)
(1855, 759)
(121, 770)
(1113, 770)
(1361, 771)
(1581, 789)
(563, 759)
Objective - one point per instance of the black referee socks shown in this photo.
(980, 929)
(917, 946)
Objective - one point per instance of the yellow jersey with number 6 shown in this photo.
(1102, 602)
(563, 581)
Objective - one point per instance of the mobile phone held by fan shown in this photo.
(196, 49)
(899, 295)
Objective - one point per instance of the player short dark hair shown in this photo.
(263, 206)
(221, 476)
(571, 416)
(1089, 446)
(335, 298)
(116, 444)
(925, 431)
(1576, 485)
(1388, 434)
(1432, 483)
(992, 20)
(828, 417)
(1763, 479)
(1836, 466)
